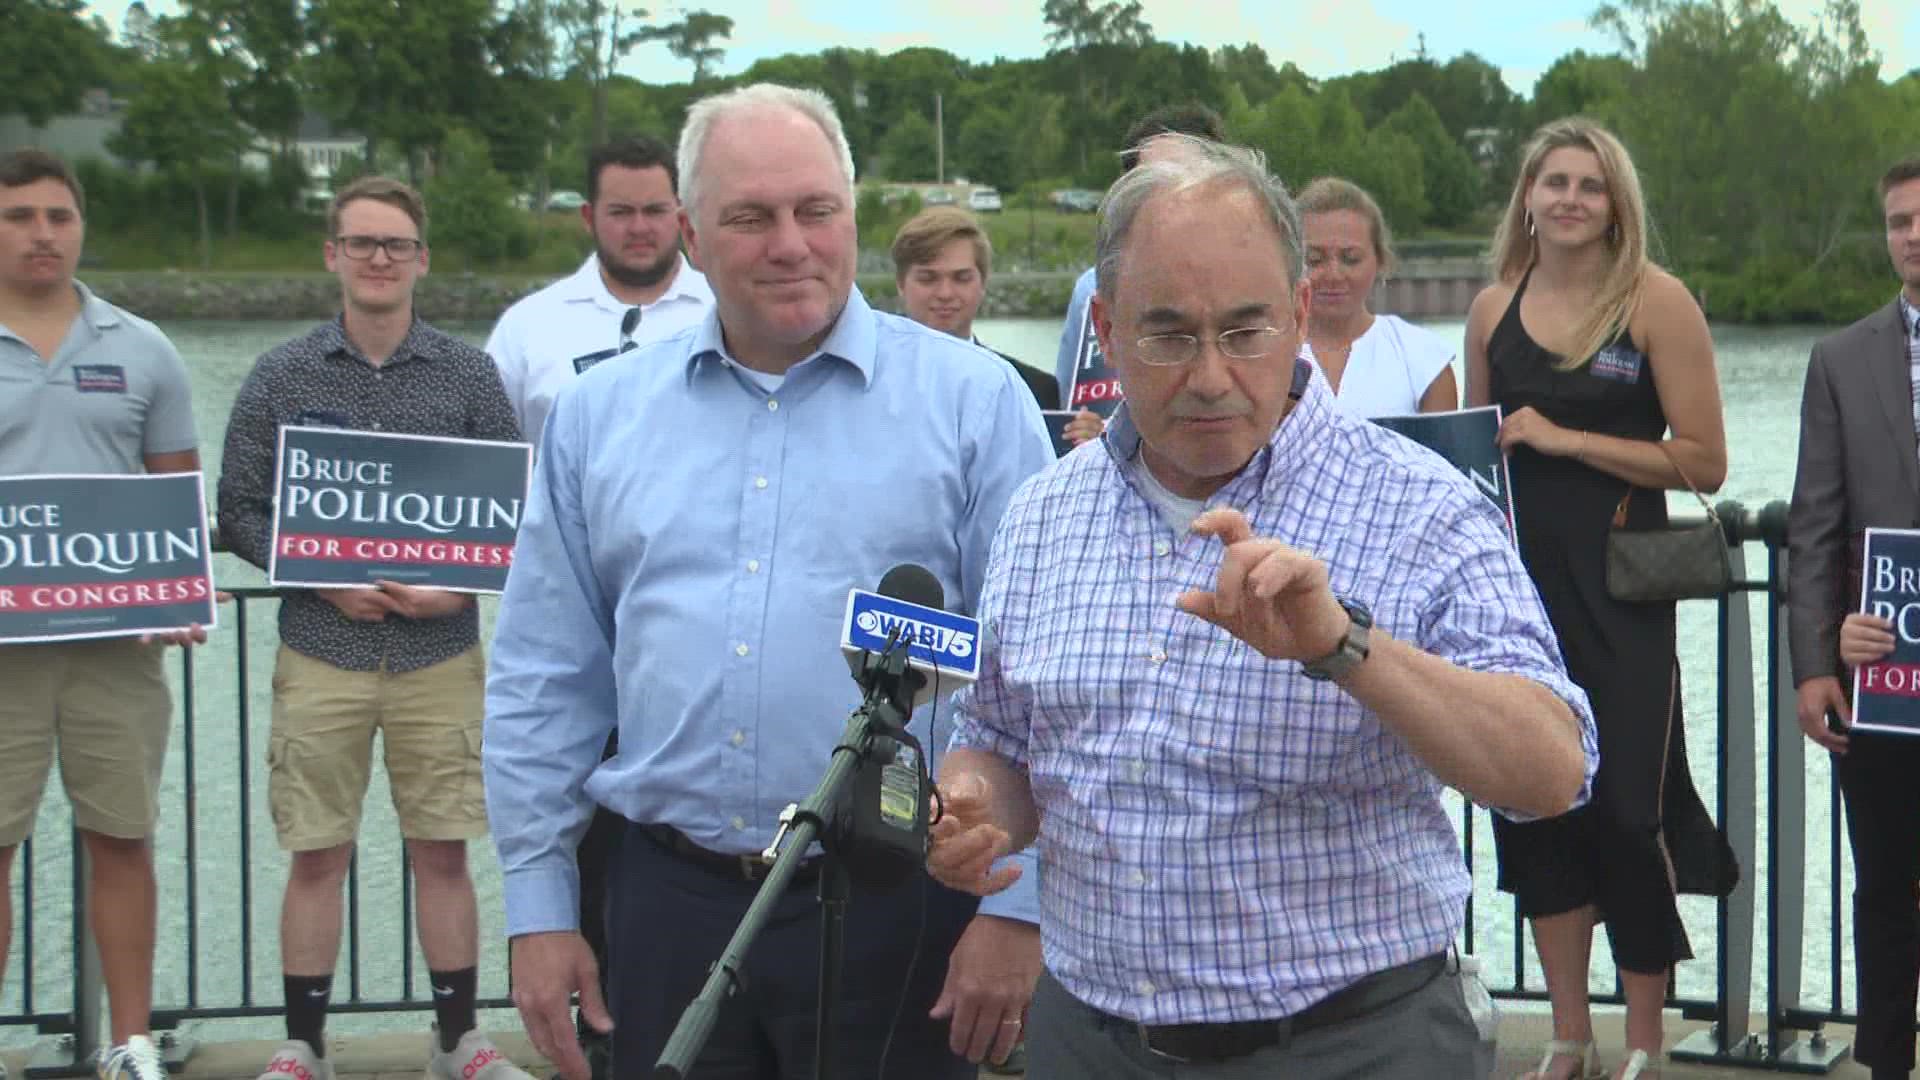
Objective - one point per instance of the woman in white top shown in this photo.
(1378, 365)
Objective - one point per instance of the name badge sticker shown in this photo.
(1620, 363)
(100, 378)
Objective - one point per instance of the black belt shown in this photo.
(1213, 1043)
(748, 868)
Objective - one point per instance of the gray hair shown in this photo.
(1195, 163)
(811, 104)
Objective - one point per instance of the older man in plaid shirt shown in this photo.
(1241, 642)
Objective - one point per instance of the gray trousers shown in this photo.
(1428, 1035)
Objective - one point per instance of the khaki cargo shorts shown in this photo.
(320, 751)
(105, 705)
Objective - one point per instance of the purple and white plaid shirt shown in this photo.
(1221, 837)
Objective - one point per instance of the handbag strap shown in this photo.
(1620, 511)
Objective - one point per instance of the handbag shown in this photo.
(1659, 566)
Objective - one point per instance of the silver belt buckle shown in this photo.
(747, 864)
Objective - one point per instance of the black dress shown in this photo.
(1645, 835)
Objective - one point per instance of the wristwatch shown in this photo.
(1352, 649)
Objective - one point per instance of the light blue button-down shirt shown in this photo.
(682, 571)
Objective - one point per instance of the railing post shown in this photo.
(1787, 836)
(1737, 805)
(73, 1054)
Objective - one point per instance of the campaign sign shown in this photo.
(356, 507)
(1095, 386)
(103, 556)
(937, 639)
(1465, 437)
(1057, 421)
(1886, 693)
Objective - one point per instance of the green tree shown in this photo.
(907, 150)
(403, 73)
(140, 32)
(596, 42)
(179, 118)
(1450, 179)
(51, 56)
(990, 146)
(692, 39)
(1085, 31)
(1286, 128)
(1580, 84)
(1247, 67)
(1750, 133)
(257, 48)
(1387, 163)
(472, 202)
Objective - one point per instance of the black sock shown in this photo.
(307, 997)
(453, 994)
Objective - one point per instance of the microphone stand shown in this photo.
(887, 707)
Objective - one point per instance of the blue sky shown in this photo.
(1324, 37)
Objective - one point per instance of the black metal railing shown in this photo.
(1742, 729)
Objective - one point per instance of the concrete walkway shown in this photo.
(399, 1057)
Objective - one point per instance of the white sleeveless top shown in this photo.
(1390, 367)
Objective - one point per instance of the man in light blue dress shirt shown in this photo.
(699, 510)
(1287, 629)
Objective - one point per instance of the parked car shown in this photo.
(1075, 200)
(938, 197)
(566, 200)
(983, 200)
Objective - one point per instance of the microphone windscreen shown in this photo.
(915, 585)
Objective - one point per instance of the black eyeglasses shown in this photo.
(398, 248)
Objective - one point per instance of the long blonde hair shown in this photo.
(1624, 283)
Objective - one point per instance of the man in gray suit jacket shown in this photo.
(1859, 469)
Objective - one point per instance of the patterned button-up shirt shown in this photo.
(1221, 837)
(434, 384)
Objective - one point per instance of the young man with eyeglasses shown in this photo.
(401, 660)
(1296, 627)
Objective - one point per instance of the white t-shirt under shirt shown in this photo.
(1390, 367)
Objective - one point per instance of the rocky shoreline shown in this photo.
(174, 296)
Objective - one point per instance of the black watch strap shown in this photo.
(1353, 648)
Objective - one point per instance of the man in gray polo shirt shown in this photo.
(86, 388)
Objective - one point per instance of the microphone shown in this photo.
(905, 648)
(943, 648)
(629, 322)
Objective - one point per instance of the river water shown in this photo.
(1760, 372)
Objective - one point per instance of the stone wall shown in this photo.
(458, 297)
(1437, 290)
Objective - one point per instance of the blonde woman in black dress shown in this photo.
(1603, 366)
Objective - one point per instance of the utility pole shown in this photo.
(939, 141)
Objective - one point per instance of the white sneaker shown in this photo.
(474, 1058)
(135, 1059)
(295, 1060)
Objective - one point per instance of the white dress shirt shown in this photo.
(548, 339)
